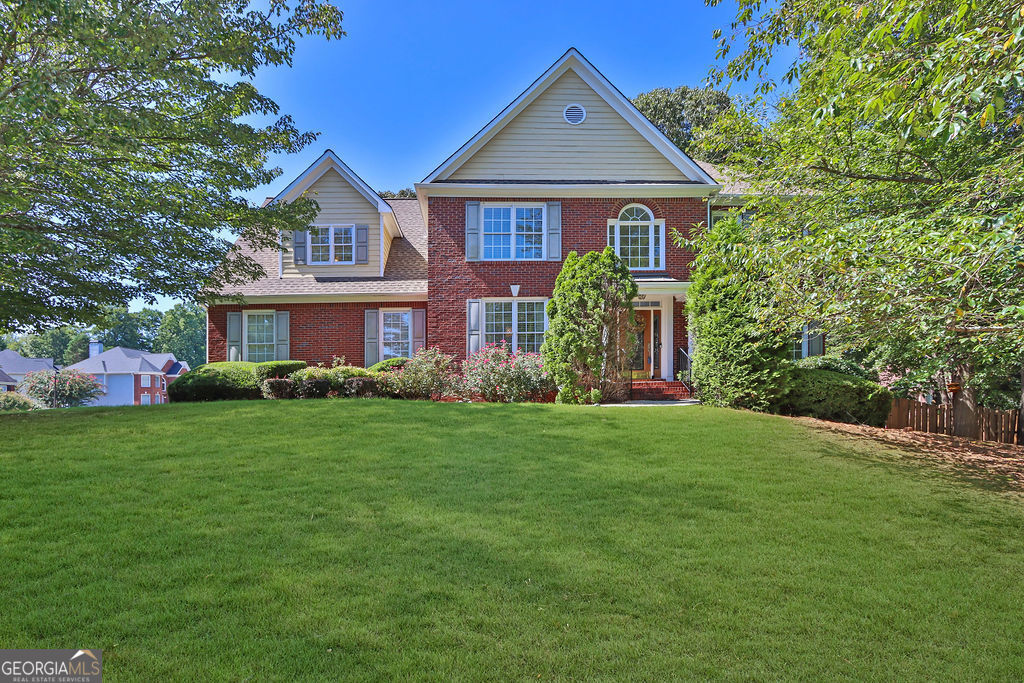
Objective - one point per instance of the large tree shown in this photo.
(887, 170)
(183, 333)
(684, 115)
(130, 130)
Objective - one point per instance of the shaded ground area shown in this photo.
(998, 463)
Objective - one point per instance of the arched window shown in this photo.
(638, 238)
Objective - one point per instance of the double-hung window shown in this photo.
(332, 244)
(513, 232)
(638, 239)
(259, 336)
(520, 324)
(395, 334)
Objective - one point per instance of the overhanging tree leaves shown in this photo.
(127, 145)
(590, 337)
(888, 170)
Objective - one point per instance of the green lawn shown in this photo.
(386, 539)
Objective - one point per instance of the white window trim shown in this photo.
(515, 316)
(245, 330)
(380, 329)
(330, 250)
(146, 381)
(515, 205)
(657, 228)
(145, 400)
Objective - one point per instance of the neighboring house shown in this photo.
(569, 165)
(131, 376)
(7, 383)
(16, 366)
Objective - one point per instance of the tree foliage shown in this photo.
(182, 332)
(129, 135)
(404, 193)
(888, 171)
(684, 115)
(737, 363)
(591, 330)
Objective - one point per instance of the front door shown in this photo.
(642, 357)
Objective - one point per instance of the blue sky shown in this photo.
(411, 81)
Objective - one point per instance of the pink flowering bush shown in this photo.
(495, 373)
(70, 388)
(427, 374)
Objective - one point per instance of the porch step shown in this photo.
(658, 390)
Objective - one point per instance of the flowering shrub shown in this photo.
(429, 372)
(496, 374)
(335, 375)
(67, 388)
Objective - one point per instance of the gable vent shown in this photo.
(575, 114)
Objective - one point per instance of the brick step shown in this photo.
(659, 390)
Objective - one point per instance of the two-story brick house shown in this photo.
(569, 165)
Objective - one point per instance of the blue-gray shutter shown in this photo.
(299, 243)
(554, 212)
(474, 320)
(370, 352)
(234, 336)
(472, 231)
(419, 329)
(281, 324)
(362, 244)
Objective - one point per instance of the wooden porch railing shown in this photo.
(993, 425)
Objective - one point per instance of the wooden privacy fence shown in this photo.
(993, 425)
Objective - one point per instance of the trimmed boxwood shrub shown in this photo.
(224, 381)
(277, 387)
(835, 396)
(276, 369)
(836, 364)
(361, 387)
(388, 365)
(13, 402)
(313, 387)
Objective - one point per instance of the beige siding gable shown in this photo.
(340, 203)
(538, 144)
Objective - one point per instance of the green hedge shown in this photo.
(276, 369)
(836, 364)
(225, 381)
(388, 365)
(835, 396)
(13, 402)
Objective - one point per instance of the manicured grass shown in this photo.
(385, 539)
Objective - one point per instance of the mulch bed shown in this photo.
(998, 462)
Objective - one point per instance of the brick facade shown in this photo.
(317, 331)
(452, 280)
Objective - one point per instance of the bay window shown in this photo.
(513, 232)
(638, 239)
(520, 324)
(332, 244)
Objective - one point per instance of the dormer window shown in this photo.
(332, 244)
(638, 238)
